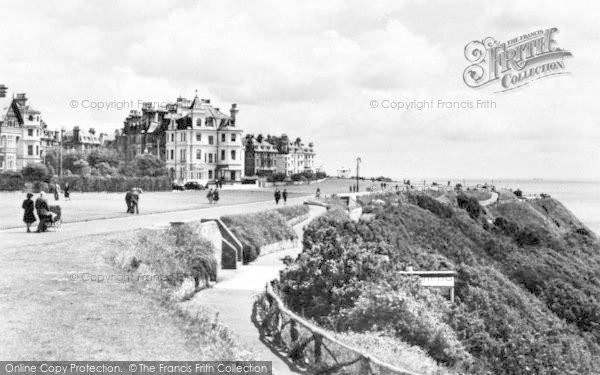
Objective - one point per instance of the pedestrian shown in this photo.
(351, 188)
(67, 192)
(277, 196)
(56, 189)
(128, 198)
(284, 195)
(43, 213)
(135, 200)
(215, 196)
(28, 215)
(318, 192)
(210, 196)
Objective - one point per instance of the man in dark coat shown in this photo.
(284, 195)
(277, 196)
(128, 198)
(41, 206)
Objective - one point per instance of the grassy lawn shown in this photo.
(91, 206)
(49, 313)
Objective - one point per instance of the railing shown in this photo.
(312, 347)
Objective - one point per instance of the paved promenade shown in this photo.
(14, 238)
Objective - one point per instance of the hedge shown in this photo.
(12, 181)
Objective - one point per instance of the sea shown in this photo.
(580, 197)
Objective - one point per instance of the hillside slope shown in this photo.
(527, 296)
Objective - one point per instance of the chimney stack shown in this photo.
(233, 112)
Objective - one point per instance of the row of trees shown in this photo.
(103, 162)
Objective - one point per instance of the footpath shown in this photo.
(234, 296)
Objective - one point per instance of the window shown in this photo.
(210, 158)
(210, 140)
(37, 150)
(210, 174)
(233, 138)
(232, 154)
(198, 137)
(172, 137)
(232, 176)
(222, 154)
(222, 137)
(199, 154)
(30, 150)
(199, 122)
(182, 154)
(30, 132)
(172, 156)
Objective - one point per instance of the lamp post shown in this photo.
(358, 161)
(60, 158)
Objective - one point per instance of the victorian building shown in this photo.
(265, 156)
(24, 137)
(202, 143)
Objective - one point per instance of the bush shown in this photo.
(33, 172)
(414, 314)
(518, 193)
(279, 177)
(428, 203)
(292, 212)
(258, 229)
(11, 181)
(470, 204)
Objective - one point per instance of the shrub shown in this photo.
(470, 204)
(11, 181)
(33, 172)
(428, 203)
(291, 212)
(258, 229)
(414, 314)
(518, 193)
(279, 177)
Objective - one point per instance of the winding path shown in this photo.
(492, 199)
(233, 297)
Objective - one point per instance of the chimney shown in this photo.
(233, 112)
(21, 99)
(92, 131)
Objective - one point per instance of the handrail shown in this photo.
(321, 332)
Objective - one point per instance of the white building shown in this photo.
(202, 143)
(24, 136)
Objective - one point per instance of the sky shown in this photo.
(314, 69)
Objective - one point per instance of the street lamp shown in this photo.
(358, 161)
(60, 159)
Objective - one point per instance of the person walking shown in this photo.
(128, 199)
(210, 196)
(284, 195)
(66, 192)
(277, 196)
(215, 196)
(56, 189)
(43, 213)
(135, 200)
(28, 214)
(318, 194)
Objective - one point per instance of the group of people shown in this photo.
(42, 209)
(132, 200)
(213, 195)
(57, 190)
(279, 195)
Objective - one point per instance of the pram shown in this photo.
(55, 219)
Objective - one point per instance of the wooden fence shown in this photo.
(312, 347)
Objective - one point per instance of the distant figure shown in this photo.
(128, 197)
(284, 195)
(277, 196)
(351, 188)
(66, 192)
(135, 200)
(215, 196)
(28, 214)
(41, 206)
(318, 193)
(56, 191)
(210, 196)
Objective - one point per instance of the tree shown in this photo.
(103, 155)
(33, 172)
(149, 165)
